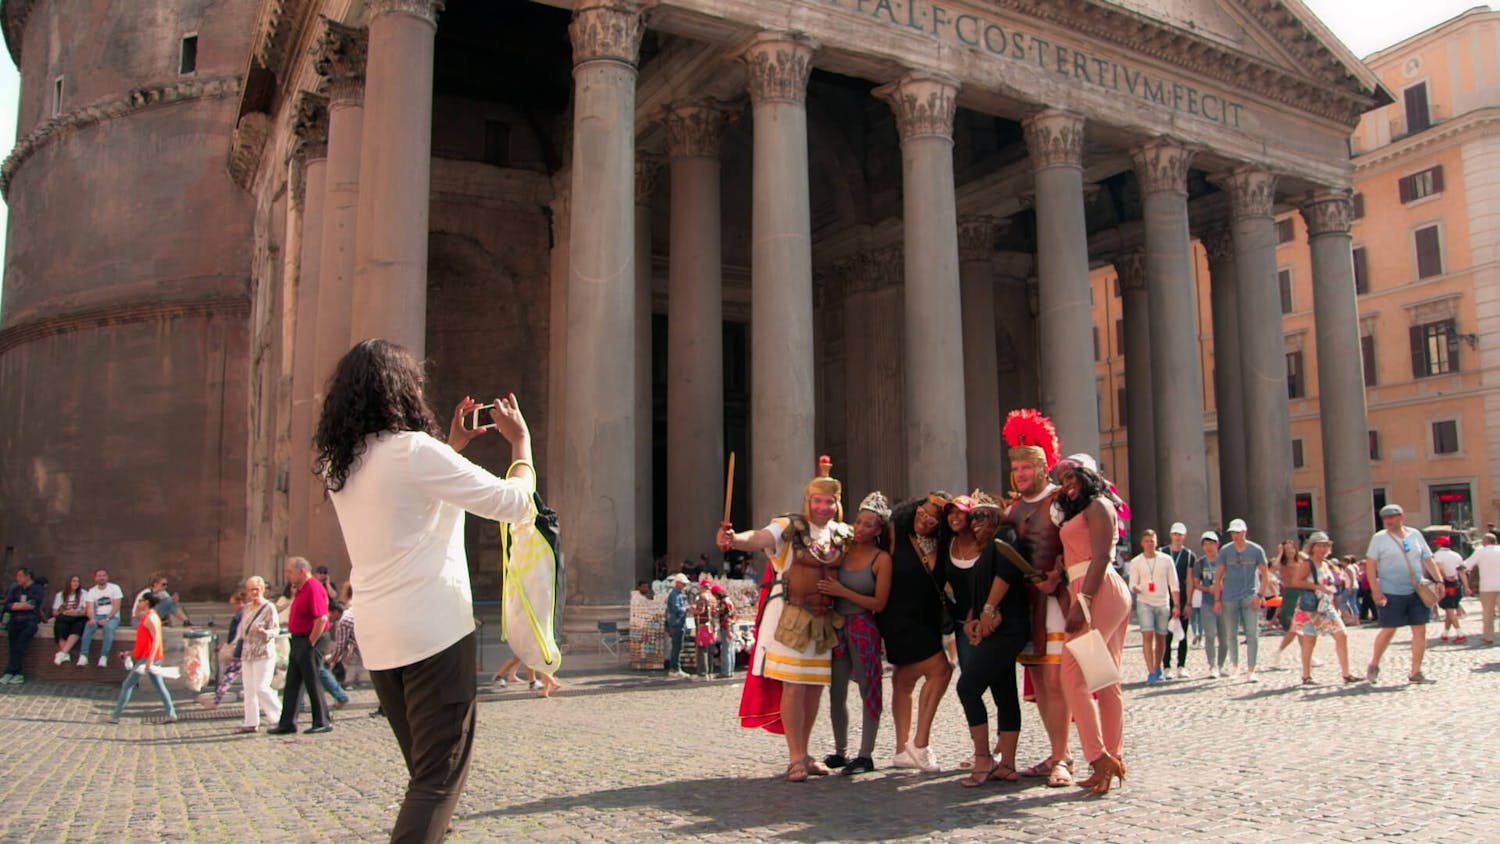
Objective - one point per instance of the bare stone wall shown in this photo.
(124, 340)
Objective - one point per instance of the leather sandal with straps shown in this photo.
(979, 774)
(796, 772)
(1061, 774)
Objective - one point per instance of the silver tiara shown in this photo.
(876, 503)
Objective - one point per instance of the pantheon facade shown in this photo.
(674, 230)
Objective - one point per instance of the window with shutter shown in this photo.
(1361, 270)
(1418, 116)
(1295, 388)
(1119, 338)
(1284, 279)
(1418, 353)
(1434, 348)
(1357, 206)
(1297, 459)
(1404, 186)
(1096, 343)
(1367, 355)
(1445, 437)
(1374, 445)
(1429, 252)
(1284, 230)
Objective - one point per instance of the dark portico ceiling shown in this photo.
(506, 51)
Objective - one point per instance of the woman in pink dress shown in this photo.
(1086, 510)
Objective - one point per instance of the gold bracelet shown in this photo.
(515, 463)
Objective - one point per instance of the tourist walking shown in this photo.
(1397, 560)
(676, 620)
(254, 645)
(1484, 567)
(1288, 559)
(1187, 616)
(1450, 564)
(1243, 579)
(147, 656)
(1204, 582)
(1153, 581)
(1316, 611)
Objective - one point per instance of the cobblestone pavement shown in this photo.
(621, 756)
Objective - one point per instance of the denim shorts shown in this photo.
(1153, 619)
(1404, 611)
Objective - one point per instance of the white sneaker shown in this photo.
(1250, 676)
(1213, 673)
(83, 661)
(537, 685)
(924, 759)
(60, 657)
(1182, 673)
(103, 662)
(903, 759)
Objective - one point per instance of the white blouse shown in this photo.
(402, 515)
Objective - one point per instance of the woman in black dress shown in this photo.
(911, 624)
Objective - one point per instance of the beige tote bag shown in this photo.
(1092, 654)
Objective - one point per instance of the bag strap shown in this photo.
(1411, 570)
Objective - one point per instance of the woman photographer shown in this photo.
(400, 494)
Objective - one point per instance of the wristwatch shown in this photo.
(989, 610)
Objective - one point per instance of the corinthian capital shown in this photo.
(340, 58)
(924, 104)
(1161, 165)
(1327, 212)
(426, 10)
(1054, 138)
(607, 31)
(310, 125)
(976, 237)
(695, 127)
(1130, 267)
(1218, 242)
(777, 65)
(1252, 192)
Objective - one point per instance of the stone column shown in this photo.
(599, 434)
(395, 176)
(557, 338)
(695, 332)
(1141, 403)
(976, 275)
(1341, 381)
(311, 157)
(874, 374)
(646, 169)
(936, 435)
(1270, 506)
(782, 356)
(1015, 332)
(340, 59)
(1065, 319)
(1229, 382)
(1161, 167)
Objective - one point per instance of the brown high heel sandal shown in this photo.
(1106, 769)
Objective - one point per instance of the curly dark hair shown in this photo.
(377, 387)
(1092, 485)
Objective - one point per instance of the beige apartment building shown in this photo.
(1426, 252)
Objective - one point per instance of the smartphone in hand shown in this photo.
(475, 421)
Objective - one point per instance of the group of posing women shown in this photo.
(901, 578)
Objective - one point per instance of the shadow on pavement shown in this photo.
(778, 810)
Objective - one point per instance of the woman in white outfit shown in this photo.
(255, 638)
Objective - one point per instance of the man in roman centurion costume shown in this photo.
(1034, 450)
(796, 627)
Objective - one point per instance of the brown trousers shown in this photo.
(430, 705)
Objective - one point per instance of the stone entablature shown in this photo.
(135, 99)
(123, 314)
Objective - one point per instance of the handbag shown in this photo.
(947, 609)
(1428, 595)
(705, 636)
(1092, 654)
(239, 640)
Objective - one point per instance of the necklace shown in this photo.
(926, 544)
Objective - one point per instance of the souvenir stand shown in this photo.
(649, 645)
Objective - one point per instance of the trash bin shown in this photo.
(199, 662)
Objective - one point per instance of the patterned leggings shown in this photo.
(227, 677)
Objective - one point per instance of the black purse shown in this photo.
(1308, 600)
(947, 608)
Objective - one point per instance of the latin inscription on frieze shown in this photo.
(1006, 41)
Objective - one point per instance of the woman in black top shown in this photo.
(910, 624)
(987, 588)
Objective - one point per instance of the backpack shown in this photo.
(532, 588)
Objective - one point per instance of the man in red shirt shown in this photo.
(306, 620)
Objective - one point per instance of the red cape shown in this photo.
(760, 701)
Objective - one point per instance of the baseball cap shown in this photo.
(1319, 537)
(1444, 541)
(1238, 525)
(678, 578)
(1391, 510)
(1210, 536)
(1178, 527)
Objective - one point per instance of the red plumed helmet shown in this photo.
(1029, 428)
